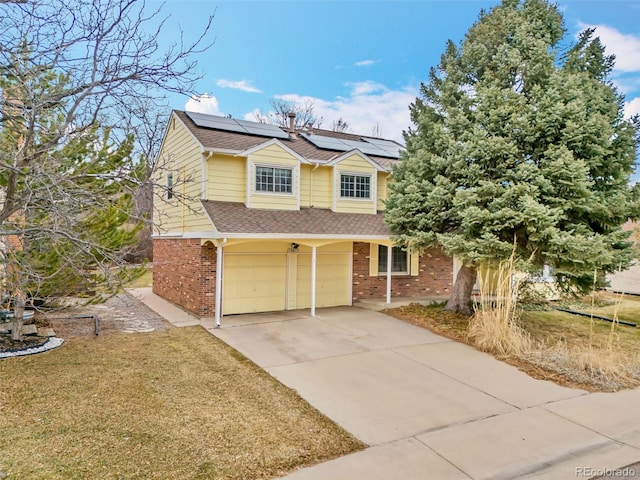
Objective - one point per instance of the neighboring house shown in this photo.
(627, 281)
(252, 218)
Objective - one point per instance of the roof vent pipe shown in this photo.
(292, 121)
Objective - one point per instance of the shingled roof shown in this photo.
(212, 139)
(235, 218)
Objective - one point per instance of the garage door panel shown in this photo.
(332, 280)
(254, 283)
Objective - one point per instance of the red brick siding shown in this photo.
(435, 279)
(185, 273)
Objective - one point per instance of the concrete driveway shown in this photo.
(431, 408)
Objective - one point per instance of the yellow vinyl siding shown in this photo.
(182, 157)
(315, 186)
(274, 156)
(382, 190)
(355, 164)
(226, 176)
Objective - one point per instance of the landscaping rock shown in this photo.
(46, 332)
(29, 329)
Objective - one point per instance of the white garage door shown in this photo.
(333, 278)
(254, 283)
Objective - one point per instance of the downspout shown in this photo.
(313, 281)
(203, 176)
(183, 197)
(389, 258)
(315, 166)
(219, 281)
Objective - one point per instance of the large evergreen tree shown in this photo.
(518, 139)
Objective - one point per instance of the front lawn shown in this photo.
(171, 404)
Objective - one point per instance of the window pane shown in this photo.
(399, 260)
(362, 187)
(264, 179)
(347, 185)
(169, 186)
(382, 259)
(282, 180)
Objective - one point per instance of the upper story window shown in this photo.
(273, 179)
(169, 186)
(355, 186)
(399, 260)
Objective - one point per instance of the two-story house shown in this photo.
(252, 218)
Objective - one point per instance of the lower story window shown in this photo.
(399, 260)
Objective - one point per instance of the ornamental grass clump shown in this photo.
(494, 327)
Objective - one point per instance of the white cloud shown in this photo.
(632, 107)
(366, 88)
(368, 106)
(204, 103)
(238, 85)
(625, 47)
(365, 63)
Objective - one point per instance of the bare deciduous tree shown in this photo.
(76, 77)
(304, 112)
(340, 125)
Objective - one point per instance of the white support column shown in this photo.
(219, 282)
(313, 281)
(389, 258)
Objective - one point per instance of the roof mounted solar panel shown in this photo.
(365, 147)
(344, 145)
(263, 129)
(240, 126)
(218, 123)
(391, 147)
(329, 143)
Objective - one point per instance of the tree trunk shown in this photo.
(18, 316)
(460, 297)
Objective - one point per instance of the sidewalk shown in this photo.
(173, 314)
(429, 407)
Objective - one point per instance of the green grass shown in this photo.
(145, 280)
(576, 330)
(627, 307)
(173, 404)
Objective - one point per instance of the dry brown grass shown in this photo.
(494, 326)
(172, 404)
(559, 346)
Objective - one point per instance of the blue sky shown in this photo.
(361, 61)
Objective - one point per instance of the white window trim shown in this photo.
(282, 167)
(355, 199)
(399, 274)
